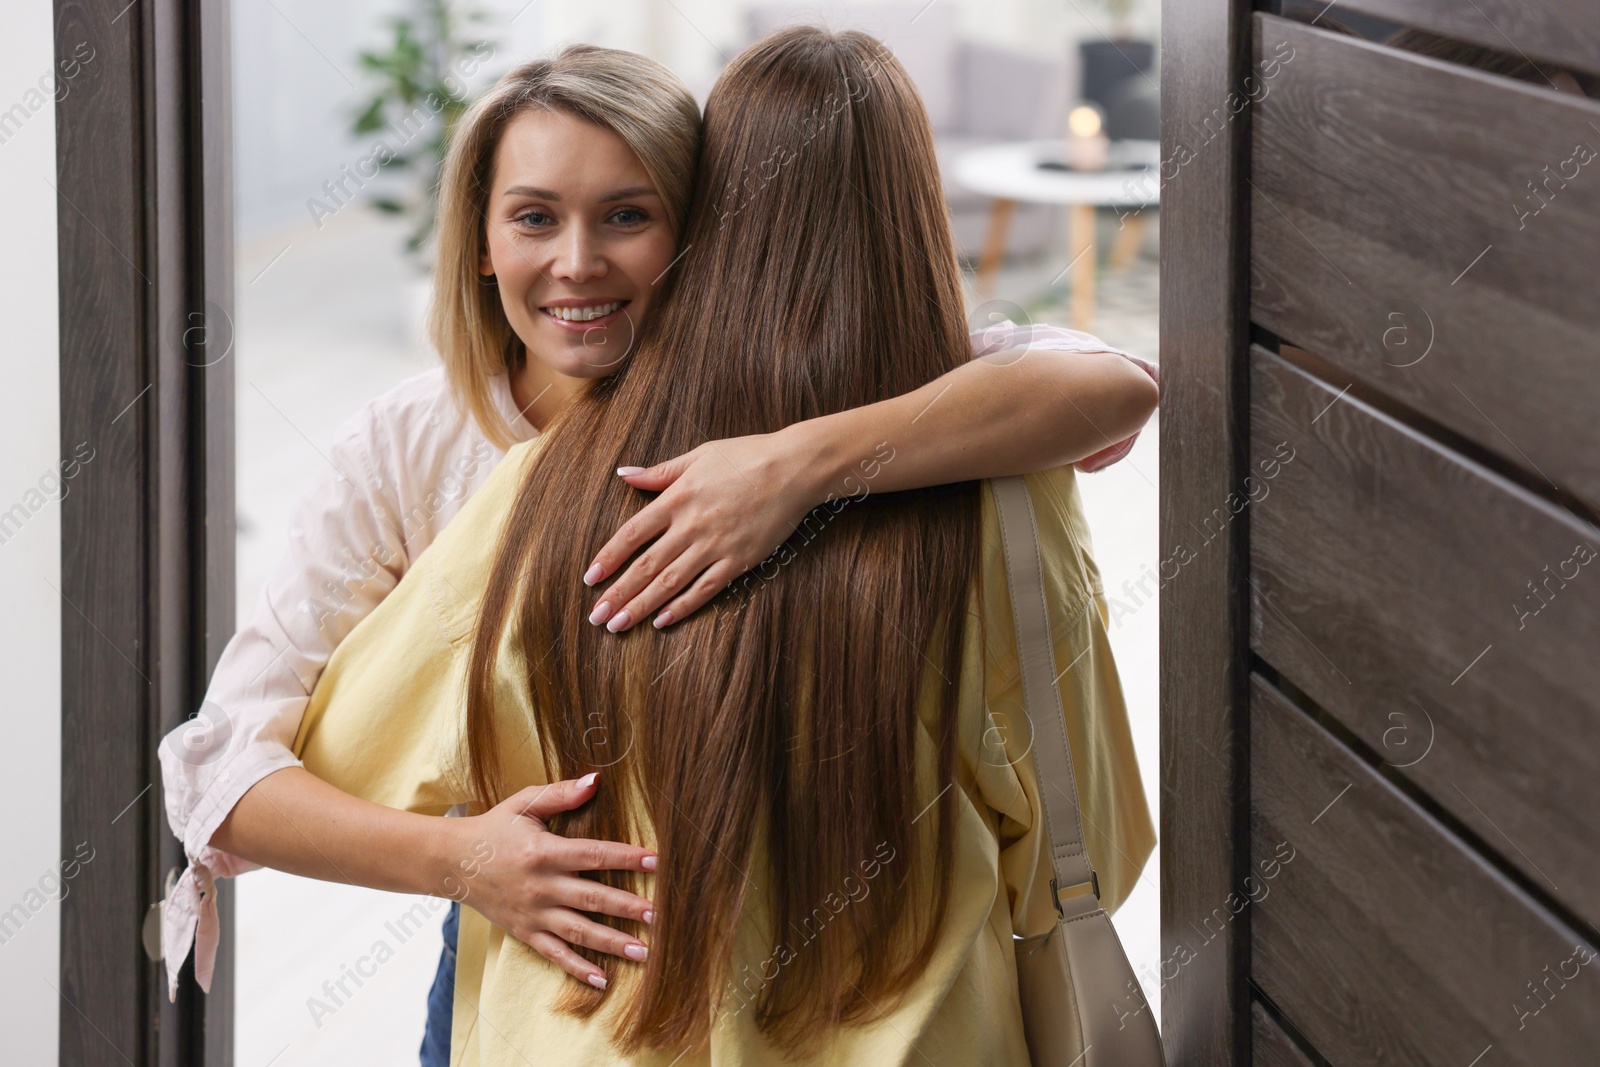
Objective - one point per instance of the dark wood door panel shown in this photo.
(1269, 1045)
(1411, 223)
(1390, 582)
(1383, 938)
(1204, 1004)
(144, 262)
(1546, 32)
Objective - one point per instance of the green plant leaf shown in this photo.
(371, 118)
(416, 62)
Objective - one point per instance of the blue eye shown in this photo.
(532, 218)
(630, 216)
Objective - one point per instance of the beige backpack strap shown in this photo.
(1052, 755)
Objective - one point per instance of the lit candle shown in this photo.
(1086, 139)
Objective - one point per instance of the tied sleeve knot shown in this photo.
(190, 918)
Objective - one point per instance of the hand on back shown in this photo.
(528, 880)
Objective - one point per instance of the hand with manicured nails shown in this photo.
(723, 508)
(531, 886)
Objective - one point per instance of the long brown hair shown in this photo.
(818, 274)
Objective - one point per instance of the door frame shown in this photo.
(1205, 137)
(145, 233)
(145, 236)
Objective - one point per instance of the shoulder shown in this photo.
(418, 634)
(422, 407)
(456, 566)
(1063, 533)
(420, 453)
(1061, 528)
(1052, 496)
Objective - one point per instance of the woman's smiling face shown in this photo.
(578, 241)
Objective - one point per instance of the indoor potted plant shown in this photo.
(420, 87)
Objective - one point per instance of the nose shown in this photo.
(579, 255)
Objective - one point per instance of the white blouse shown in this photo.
(399, 470)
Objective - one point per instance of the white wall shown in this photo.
(298, 85)
(30, 536)
(693, 37)
(297, 82)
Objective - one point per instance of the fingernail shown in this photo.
(664, 619)
(593, 574)
(601, 612)
(597, 980)
(649, 864)
(635, 952)
(649, 917)
(620, 621)
(629, 471)
(587, 780)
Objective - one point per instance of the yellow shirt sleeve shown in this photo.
(384, 727)
(387, 719)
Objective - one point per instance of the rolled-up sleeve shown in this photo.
(1007, 336)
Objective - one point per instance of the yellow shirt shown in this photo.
(387, 723)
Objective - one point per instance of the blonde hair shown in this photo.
(634, 97)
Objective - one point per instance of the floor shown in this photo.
(328, 318)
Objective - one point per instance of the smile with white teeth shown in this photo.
(585, 314)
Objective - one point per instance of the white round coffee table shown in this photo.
(1011, 172)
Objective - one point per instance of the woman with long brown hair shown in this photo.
(848, 834)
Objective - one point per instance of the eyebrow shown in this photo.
(549, 194)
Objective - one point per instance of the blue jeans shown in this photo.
(441, 998)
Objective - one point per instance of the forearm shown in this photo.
(1012, 414)
(293, 821)
(724, 506)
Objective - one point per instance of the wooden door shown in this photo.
(1381, 556)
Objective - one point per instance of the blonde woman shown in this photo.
(563, 198)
